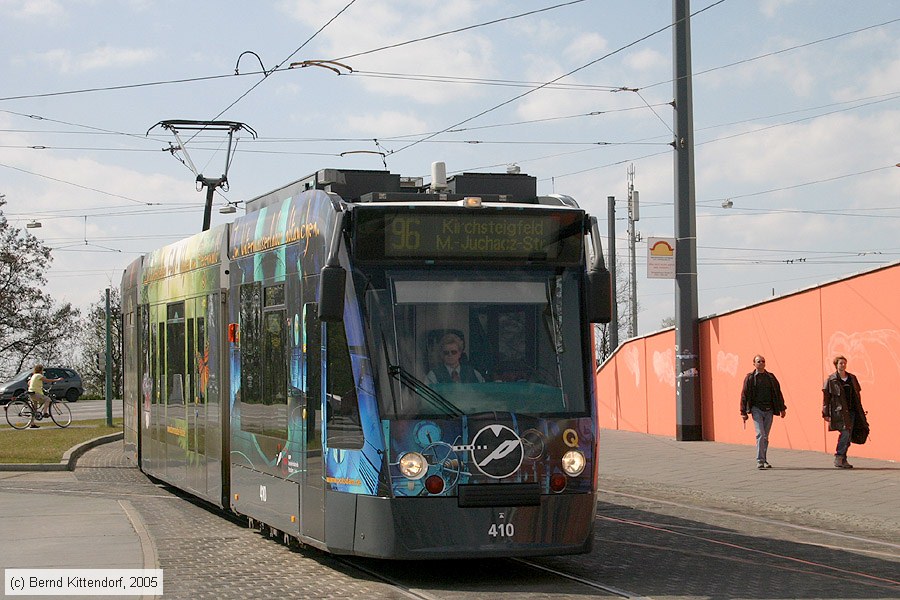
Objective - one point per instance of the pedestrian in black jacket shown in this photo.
(761, 398)
(842, 408)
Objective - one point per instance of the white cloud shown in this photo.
(771, 8)
(33, 9)
(586, 47)
(803, 151)
(384, 123)
(82, 247)
(882, 78)
(105, 57)
(791, 71)
(647, 59)
(369, 26)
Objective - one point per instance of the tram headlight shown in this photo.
(573, 463)
(413, 465)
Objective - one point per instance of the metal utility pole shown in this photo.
(210, 183)
(109, 365)
(633, 236)
(611, 252)
(688, 426)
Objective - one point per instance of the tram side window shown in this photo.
(145, 344)
(252, 416)
(152, 354)
(159, 380)
(342, 419)
(175, 349)
(189, 356)
(202, 360)
(263, 361)
(274, 357)
(313, 350)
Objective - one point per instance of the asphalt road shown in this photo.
(84, 410)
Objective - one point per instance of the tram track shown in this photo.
(518, 577)
(591, 584)
(787, 562)
(843, 540)
(731, 550)
(644, 547)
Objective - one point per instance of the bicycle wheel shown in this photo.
(60, 413)
(19, 414)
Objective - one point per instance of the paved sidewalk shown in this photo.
(801, 486)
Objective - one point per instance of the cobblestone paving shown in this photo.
(665, 549)
(205, 555)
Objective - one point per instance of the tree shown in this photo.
(33, 328)
(92, 342)
(602, 330)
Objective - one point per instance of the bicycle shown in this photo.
(23, 412)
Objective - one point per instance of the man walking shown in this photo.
(761, 398)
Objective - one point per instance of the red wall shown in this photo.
(799, 335)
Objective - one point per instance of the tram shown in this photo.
(295, 366)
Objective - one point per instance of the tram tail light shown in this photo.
(557, 482)
(434, 484)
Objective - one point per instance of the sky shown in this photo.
(796, 111)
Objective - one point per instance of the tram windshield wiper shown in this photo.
(423, 390)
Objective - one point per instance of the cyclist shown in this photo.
(36, 391)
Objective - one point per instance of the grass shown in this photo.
(49, 443)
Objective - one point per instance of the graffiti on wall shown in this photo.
(859, 347)
(664, 366)
(632, 358)
(726, 362)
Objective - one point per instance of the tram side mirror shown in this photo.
(598, 292)
(331, 294)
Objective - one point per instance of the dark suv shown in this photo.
(69, 387)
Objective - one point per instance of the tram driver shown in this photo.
(452, 370)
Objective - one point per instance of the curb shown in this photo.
(69, 458)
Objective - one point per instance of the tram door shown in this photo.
(196, 358)
(173, 339)
(313, 492)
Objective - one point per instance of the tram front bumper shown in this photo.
(437, 528)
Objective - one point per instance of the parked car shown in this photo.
(69, 387)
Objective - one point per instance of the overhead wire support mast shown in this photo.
(688, 424)
(210, 183)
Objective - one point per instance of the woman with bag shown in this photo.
(842, 409)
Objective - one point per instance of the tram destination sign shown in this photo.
(552, 236)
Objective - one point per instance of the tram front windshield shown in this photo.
(454, 345)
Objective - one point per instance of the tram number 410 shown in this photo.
(503, 530)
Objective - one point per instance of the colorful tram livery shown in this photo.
(278, 367)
